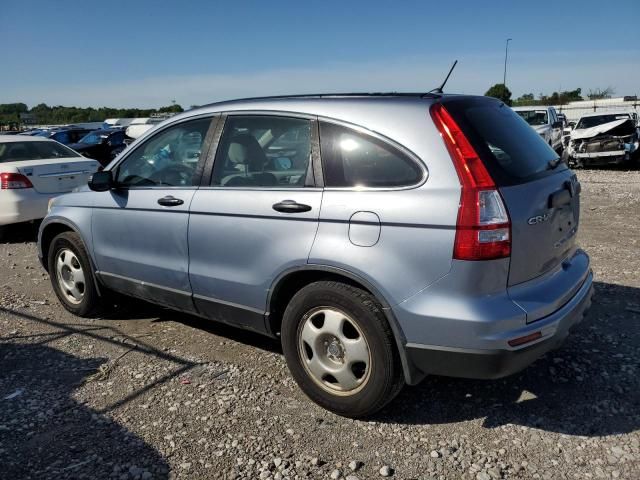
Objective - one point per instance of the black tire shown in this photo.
(91, 303)
(385, 378)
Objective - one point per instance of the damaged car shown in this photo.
(603, 139)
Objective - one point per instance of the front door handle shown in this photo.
(170, 201)
(291, 206)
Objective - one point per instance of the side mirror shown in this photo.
(557, 124)
(101, 181)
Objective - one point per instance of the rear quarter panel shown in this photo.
(417, 225)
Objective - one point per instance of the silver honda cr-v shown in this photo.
(382, 238)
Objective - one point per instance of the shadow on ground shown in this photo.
(19, 232)
(46, 433)
(134, 309)
(589, 386)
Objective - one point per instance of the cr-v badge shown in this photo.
(539, 219)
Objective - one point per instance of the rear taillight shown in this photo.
(12, 181)
(483, 229)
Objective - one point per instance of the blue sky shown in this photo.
(147, 53)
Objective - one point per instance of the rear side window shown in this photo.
(352, 159)
(512, 151)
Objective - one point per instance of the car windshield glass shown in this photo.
(91, 139)
(23, 151)
(534, 117)
(589, 122)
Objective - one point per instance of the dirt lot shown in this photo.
(148, 393)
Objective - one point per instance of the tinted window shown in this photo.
(17, 151)
(169, 158)
(93, 138)
(62, 137)
(116, 139)
(509, 147)
(352, 159)
(263, 151)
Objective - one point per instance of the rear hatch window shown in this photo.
(512, 151)
(33, 150)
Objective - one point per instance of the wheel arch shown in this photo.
(285, 286)
(51, 230)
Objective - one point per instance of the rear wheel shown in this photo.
(340, 349)
(72, 276)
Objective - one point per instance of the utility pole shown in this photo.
(506, 52)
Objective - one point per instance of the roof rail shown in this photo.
(331, 95)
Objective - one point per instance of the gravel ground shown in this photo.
(149, 393)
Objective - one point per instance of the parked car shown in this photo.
(66, 136)
(378, 252)
(545, 121)
(102, 145)
(603, 139)
(34, 170)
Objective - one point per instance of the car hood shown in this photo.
(579, 133)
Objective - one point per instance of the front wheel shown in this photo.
(72, 276)
(340, 349)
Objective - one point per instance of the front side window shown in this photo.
(169, 158)
(352, 159)
(23, 151)
(263, 151)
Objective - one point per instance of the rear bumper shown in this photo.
(497, 363)
(22, 205)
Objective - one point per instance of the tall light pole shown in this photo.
(506, 52)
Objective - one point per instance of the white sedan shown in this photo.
(34, 170)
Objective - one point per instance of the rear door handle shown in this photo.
(291, 206)
(170, 201)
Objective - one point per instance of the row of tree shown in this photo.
(14, 113)
(501, 91)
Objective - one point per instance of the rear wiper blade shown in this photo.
(552, 164)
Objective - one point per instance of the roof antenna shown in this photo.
(439, 89)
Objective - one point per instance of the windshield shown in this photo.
(92, 139)
(534, 117)
(23, 151)
(588, 122)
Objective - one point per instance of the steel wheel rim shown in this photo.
(334, 351)
(70, 276)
